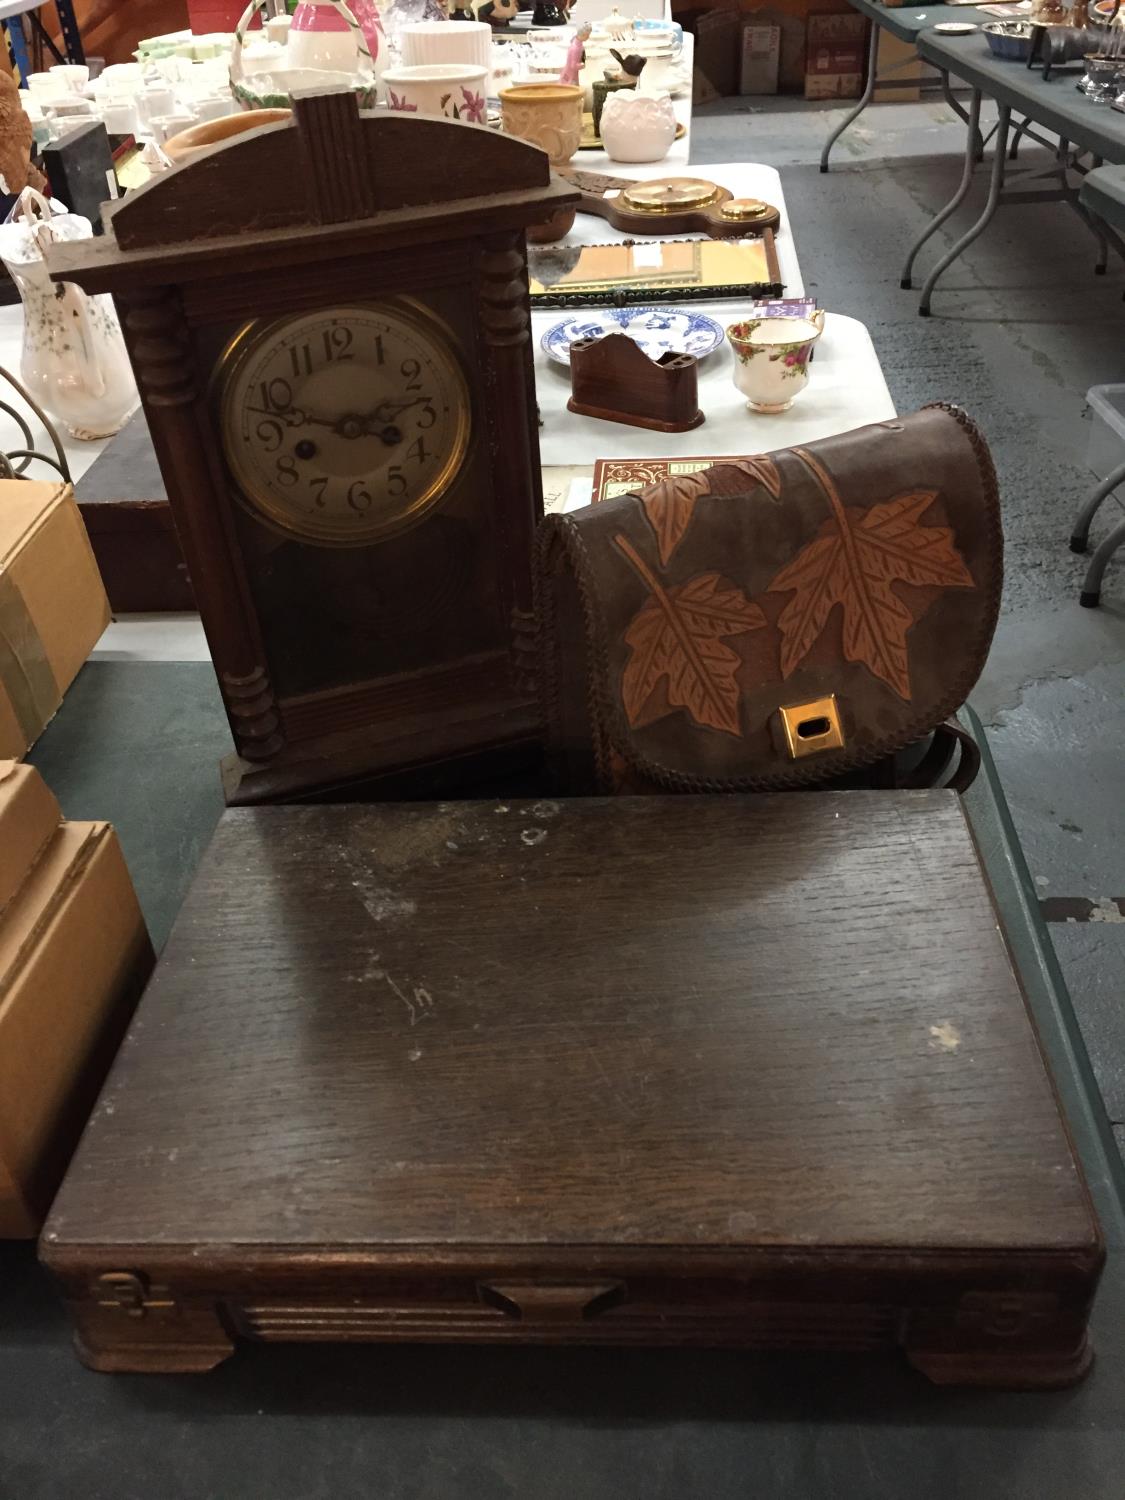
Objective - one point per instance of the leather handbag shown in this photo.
(806, 616)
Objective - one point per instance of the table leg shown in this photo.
(955, 106)
(1091, 594)
(864, 99)
(995, 185)
(1091, 221)
(1080, 536)
(1023, 125)
(973, 120)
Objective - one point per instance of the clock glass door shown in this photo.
(362, 494)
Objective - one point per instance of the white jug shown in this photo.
(74, 361)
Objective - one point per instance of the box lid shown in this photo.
(29, 819)
(750, 1022)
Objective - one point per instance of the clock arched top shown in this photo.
(360, 180)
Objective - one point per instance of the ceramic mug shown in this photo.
(434, 43)
(771, 358)
(549, 115)
(74, 76)
(452, 90)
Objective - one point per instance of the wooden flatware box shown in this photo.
(675, 1070)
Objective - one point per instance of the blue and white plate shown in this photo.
(658, 330)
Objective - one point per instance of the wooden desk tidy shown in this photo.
(614, 379)
(751, 1070)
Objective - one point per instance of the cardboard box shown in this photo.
(899, 63)
(761, 59)
(836, 56)
(717, 42)
(74, 956)
(29, 820)
(53, 607)
(791, 71)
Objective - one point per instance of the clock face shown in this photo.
(344, 425)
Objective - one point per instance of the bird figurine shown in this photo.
(632, 64)
(574, 54)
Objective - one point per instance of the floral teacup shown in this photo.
(455, 90)
(771, 358)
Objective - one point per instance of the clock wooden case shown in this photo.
(328, 320)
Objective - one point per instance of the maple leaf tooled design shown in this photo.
(677, 638)
(670, 502)
(854, 562)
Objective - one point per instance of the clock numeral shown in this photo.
(430, 416)
(360, 497)
(337, 342)
(380, 355)
(286, 469)
(410, 369)
(277, 395)
(418, 451)
(322, 480)
(396, 481)
(300, 358)
(270, 432)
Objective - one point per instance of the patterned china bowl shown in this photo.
(657, 330)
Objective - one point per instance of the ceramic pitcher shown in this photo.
(74, 362)
(322, 35)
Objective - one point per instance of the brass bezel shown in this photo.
(744, 208)
(696, 192)
(257, 333)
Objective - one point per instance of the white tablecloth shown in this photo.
(846, 389)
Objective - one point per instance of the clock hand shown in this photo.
(386, 411)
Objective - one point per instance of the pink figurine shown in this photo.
(573, 65)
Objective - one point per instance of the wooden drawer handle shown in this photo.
(551, 1302)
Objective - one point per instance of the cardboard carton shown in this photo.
(791, 60)
(761, 59)
(74, 955)
(836, 56)
(717, 42)
(53, 607)
(899, 63)
(29, 820)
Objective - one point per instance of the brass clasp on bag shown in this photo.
(812, 726)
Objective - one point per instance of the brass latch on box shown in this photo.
(812, 727)
(130, 1294)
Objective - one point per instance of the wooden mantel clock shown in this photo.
(329, 325)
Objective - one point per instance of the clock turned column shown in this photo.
(509, 392)
(160, 347)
